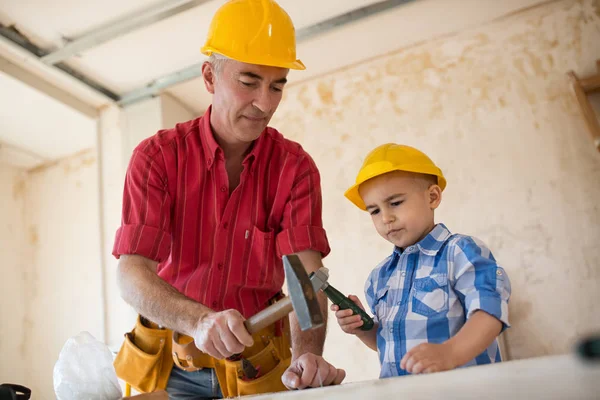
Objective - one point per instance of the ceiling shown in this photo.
(138, 62)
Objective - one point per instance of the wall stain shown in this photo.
(33, 237)
(19, 188)
(325, 91)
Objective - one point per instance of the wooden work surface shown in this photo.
(556, 377)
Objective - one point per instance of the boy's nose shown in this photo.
(388, 217)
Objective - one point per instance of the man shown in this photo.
(211, 206)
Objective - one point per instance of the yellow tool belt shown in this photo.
(148, 354)
(144, 360)
(270, 355)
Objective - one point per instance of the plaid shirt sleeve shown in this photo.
(370, 296)
(480, 282)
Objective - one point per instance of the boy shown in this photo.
(440, 300)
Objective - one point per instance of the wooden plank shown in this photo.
(549, 378)
(588, 112)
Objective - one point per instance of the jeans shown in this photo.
(197, 385)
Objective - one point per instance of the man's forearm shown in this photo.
(474, 337)
(155, 299)
(313, 340)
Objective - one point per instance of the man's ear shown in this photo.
(435, 196)
(209, 76)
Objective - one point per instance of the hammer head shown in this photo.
(302, 294)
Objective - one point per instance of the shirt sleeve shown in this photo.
(370, 296)
(145, 219)
(302, 224)
(481, 283)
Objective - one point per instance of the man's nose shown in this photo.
(262, 101)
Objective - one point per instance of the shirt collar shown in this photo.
(433, 242)
(211, 147)
(209, 144)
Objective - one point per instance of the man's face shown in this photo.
(401, 205)
(245, 97)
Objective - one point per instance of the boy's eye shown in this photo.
(374, 212)
(396, 203)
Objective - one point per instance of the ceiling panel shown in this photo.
(49, 21)
(42, 126)
(167, 46)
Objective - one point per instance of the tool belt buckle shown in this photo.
(189, 361)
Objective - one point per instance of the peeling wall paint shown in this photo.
(492, 106)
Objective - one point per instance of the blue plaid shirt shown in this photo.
(425, 294)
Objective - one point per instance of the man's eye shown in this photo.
(249, 84)
(276, 89)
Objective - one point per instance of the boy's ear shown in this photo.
(435, 196)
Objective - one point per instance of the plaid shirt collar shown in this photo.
(431, 243)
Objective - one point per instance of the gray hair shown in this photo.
(217, 61)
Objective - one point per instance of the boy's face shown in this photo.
(401, 205)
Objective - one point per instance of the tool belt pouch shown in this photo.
(144, 360)
(272, 361)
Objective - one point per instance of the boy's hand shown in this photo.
(348, 322)
(428, 357)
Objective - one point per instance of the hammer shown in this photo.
(302, 299)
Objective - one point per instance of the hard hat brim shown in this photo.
(295, 64)
(353, 194)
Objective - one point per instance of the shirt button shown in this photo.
(498, 272)
(403, 273)
(223, 188)
(209, 162)
(391, 329)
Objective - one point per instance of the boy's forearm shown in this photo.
(369, 337)
(475, 336)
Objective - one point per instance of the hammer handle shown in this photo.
(269, 315)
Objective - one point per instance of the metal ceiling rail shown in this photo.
(17, 38)
(152, 15)
(128, 23)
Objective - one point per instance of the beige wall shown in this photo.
(492, 107)
(51, 270)
(15, 253)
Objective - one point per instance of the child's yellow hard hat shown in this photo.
(255, 32)
(392, 157)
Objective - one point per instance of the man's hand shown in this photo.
(429, 357)
(222, 334)
(348, 322)
(310, 370)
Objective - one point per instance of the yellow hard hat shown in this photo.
(392, 157)
(255, 32)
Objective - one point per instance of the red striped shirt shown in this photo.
(223, 251)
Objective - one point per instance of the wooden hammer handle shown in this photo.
(269, 315)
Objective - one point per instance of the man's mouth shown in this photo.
(254, 119)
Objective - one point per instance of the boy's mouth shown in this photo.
(392, 231)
